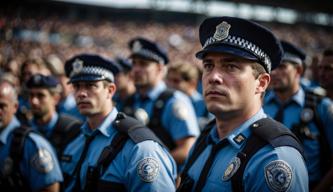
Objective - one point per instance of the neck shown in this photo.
(44, 120)
(94, 121)
(128, 91)
(285, 95)
(228, 122)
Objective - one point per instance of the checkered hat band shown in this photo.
(94, 71)
(243, 44)
(150, 54)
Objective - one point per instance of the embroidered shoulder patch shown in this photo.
(278, 175)
(42, 161)
(148, 169)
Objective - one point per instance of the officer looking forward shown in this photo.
(27, 160)
(242, 149)
(113, 152)
(168, 113)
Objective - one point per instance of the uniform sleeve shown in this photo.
(150, 168)
(279, 169)
(179, 117)
(40, 166)
(325, 111)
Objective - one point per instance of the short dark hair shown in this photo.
(258, 69)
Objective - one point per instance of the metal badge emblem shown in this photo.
(222, 31)
(136, 47)
(77, 66)
(307, 115)
(231, 169)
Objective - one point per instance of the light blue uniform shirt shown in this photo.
(254, 174)
(178, 116)
(292, 115)
(47, 129)
(128, 168)
(39, 165)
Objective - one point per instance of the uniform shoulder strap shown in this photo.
(66, 129)
(17, 144)
(198, 148)
(155, 123)
(128, 127)
(265, 131)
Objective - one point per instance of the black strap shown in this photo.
(15, 181)
(77, 170)
(198, 148)
(66, 129)
(108, 154)
(155, 123)
(128, 127)
(205, 170)
(265, 131)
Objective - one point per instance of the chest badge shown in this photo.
(231, 168)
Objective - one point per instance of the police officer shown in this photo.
(325, 68)
(27, 160)
(241, 150)
(44, 95)
(94, 161)
(184, 76)
(168, 113)
(305, 112)
(124, 82)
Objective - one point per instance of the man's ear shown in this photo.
(112, 89)
(263, 82)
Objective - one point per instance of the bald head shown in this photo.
(8, 103)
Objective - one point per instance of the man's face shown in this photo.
(145, 72)
(122, 80)
(285, 77)
(175, 81)
(8, 105)
(326, 72)
(42, 102)
(229, 84)
(93, 97)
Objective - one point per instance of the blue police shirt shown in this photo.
(292, 113)
(178, 116)
(145, 166)
(39, 165)
(257, 172)
(48, 128)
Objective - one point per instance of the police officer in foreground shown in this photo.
(242, 149)
(167, 112)
(114, 152)
(27, 160)
(44, 95)
(306, 113)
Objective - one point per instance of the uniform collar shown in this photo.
(105, 128)
(237, 137)
(196, 96)
(47, 128)
(298, 98)
(14, 123)
(153, 93)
